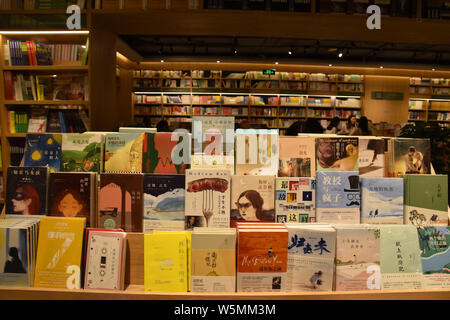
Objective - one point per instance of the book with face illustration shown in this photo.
(337, 154)
(297, 157)
(82, 152)
(166, 152)
(43, 149)
(252, 199)
(207, 198)
(409, 156)
(123, 152)
(120, 201)
(164, 201)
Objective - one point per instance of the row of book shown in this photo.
(429, 81)
(40, 4)
(20, 86)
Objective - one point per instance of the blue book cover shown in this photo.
(382, 200)
(164, 201)
(338, 197)
(43, 150)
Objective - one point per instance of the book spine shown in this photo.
(6, 53)
(12, 121)
(61, 120)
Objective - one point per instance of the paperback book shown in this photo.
(297, 157)
(337, 154)
(123, 152)
(82, 152)
(43, 149)
(409, 156)
(371, 157)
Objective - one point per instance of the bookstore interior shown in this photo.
(221, 149)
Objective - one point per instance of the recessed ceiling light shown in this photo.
(162, 60)
(218, 61)
(330, 65)
(381, 67)
(340, 55)
(289, 52)
(433, 69)
(276, 62)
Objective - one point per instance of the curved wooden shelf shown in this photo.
(50, 68)
(44, 102)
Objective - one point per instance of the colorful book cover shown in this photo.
(43, 149)
(82, 152)
(338, 197)
(426, 199)
(311, 252)
(371, 157)
(165, 262)
(295, 200)
(213, 143)
(123, 152)
(337, 154)
(166, 152)
(262, 260)
(357, 257)
(252, 199)
(207, 198)
(411, 155)
(213, 260)
(120, 201)
(382, 200)
(434, 243)
(164, 200)
(400, 262)
(26, 190)
(60, 246)
(73, 194)
(297, 157)
(257, 152)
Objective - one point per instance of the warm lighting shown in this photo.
(162, 60)
(340, 55)
(19, 32)
(276, 62)
(218, 61)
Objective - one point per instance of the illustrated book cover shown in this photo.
(43, 149)
(82, 152)
(371, 157)
(337, 154)
(123, 152)
(297, 157)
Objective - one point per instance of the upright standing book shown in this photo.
(207, 198)
(26, 190)
(82, 152)
(371, 157)
(338, 197)
(164, 201)
(382, 200)
(43, 149)
(123, 152)
(295, 200)
(120, 201)
(337, 154)
(252, 199)
(297, 157)
(409, 156)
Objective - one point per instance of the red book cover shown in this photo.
(9, 86)
(33, 52)
(30, 53)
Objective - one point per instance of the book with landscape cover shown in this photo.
(43, 149)
(337, 154)
(297, 157)
(123, 152)
(82, 152)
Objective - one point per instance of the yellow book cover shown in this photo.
(165, 262)
(59, 252)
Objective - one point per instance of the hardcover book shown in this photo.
(357, 257)
(120, 201)
(60, 246)
(382, 200)
(26, 190)
(166, 152)
(311, 252)
(295, 200)
(297, 157)
(337, 154)
(82, 152)
(426, 199)
(434, 243)
(43, 150)
(252, 199)
(123, 152)
(213, 260)
(73, 194)
(256, 152)
(164, 201)
(207, 198)
(371, 157)
(400, 262)
(409, 156)
(338, 197)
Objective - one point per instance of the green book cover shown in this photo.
(82, 152)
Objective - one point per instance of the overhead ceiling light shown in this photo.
(433, 69)
(276, 62)
(162, 60)
(381, 67)
(340, 55)
(218, 61)
(330, 65)
(290, 52)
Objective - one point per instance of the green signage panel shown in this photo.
(381, 95)
(269, 71)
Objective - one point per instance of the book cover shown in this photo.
(164, 201)
(426, 199)
(337, 154)
(60, 246)
(371, 157)
(207, 198)
(26, 190)
(434, 244)
(297, 157)
(43, 150)
(165, 262)
(357, 257)
(252, 199)
(82, 152)
(261, 260)
(411, 155)
(311, 252)
(213, 260)
(257, 152)
(120, 201)
(123, 152)
(338, 197)
(295, 200)
(382, 200)
(165, 152)
(73, 194)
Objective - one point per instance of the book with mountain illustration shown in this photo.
(337, 154)
(123, 152)
(82, 152)
(43, 149)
